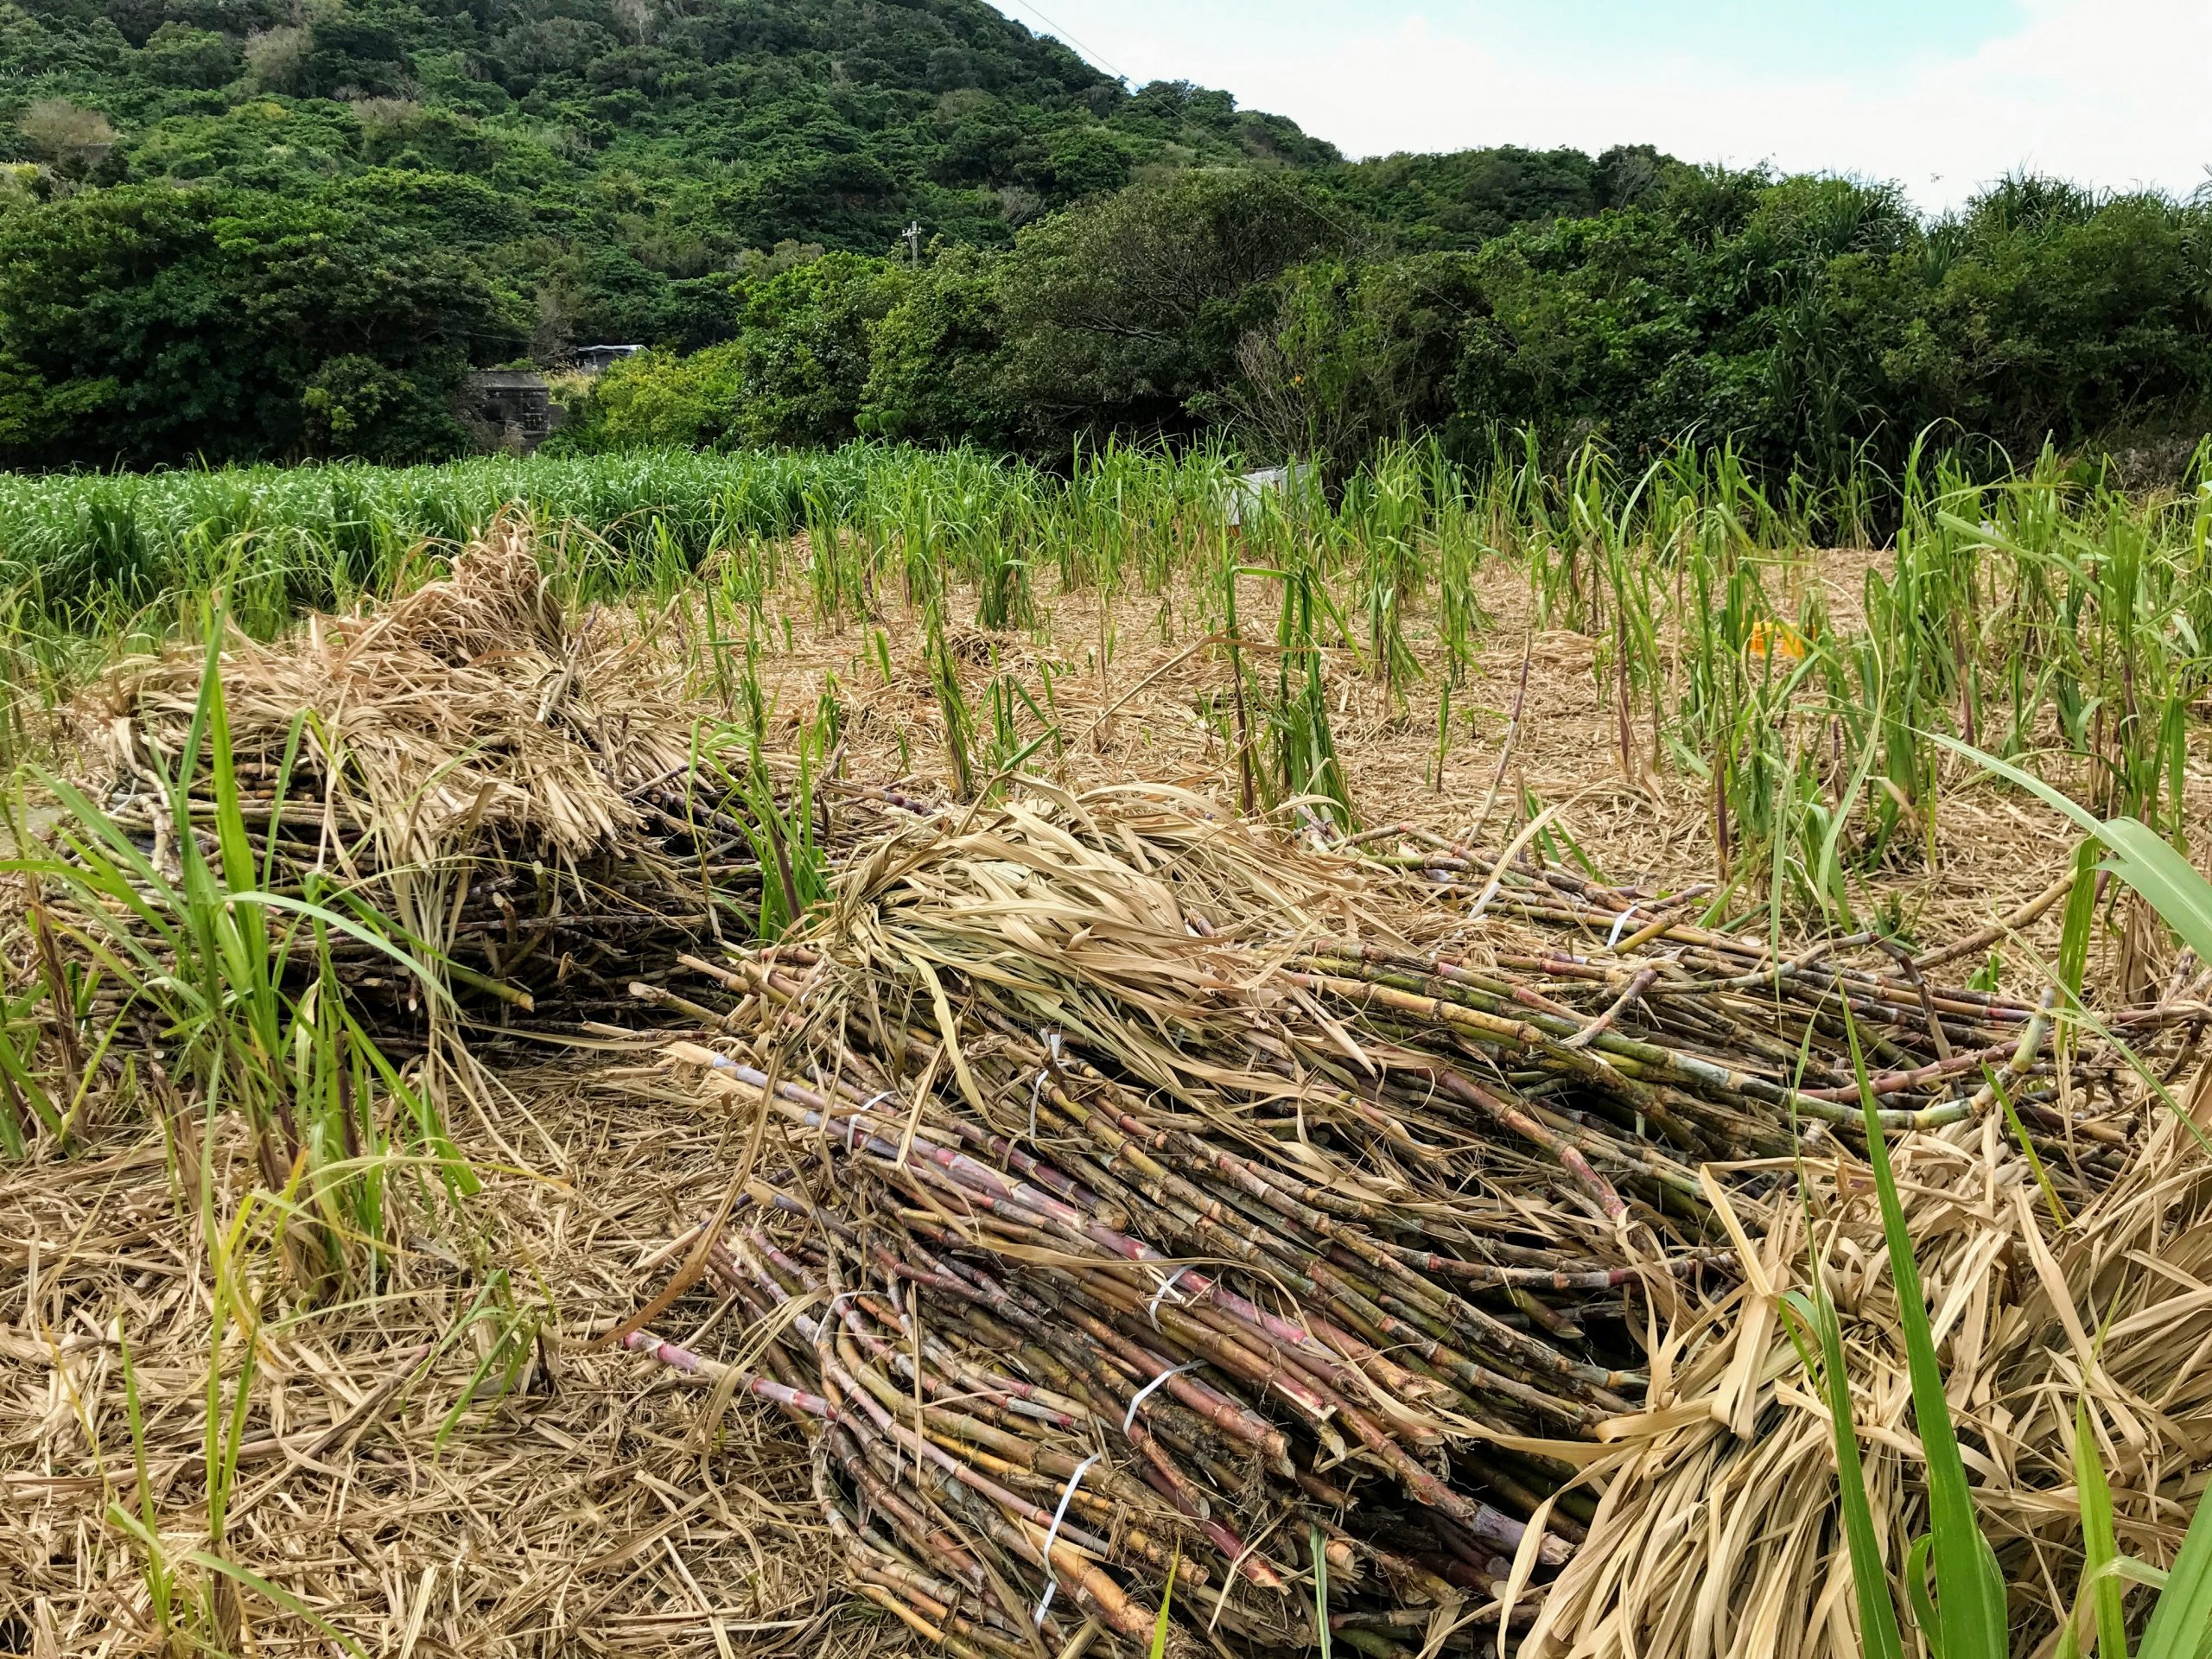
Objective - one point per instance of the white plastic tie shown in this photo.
(829, 1311)
(853, 1117)
(1620, 922)
(1152, 1308)
(1044, 1076)
(1052, 1579)
(1130, 1415)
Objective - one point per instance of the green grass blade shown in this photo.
(1878, 1635)
(2181, 1625)
(2099, 1542)
(233, 845)
(353, 929)
(2080, 916)
(279, 794)
(1159, 1649)
(2148, 863)
(454, 1169)
(1972, 1622)
(2027, 1146)
(1915, 1589)
(2144, 860)
(18, 1083)
(2052, 797)
(284, 1599)
(1319, 1545)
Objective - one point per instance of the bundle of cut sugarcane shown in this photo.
(1621, 970)
(508, 795)
(1130, 1194)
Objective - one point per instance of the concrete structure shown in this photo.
(515, 404)
(1244, 492)
(590, 359)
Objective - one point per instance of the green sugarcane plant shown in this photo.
(234, 979)
(1965, 1615)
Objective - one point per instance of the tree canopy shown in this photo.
(149, 324)
(235, 228)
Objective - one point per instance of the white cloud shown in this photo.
(2105, 93)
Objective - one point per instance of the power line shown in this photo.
(1062, 34)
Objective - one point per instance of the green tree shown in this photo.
(657, 400)
(1358, 351)
(1121, 311)
(178, 54)
(146, 325)
(2060, 316)
(1586, 326)
(1819, 324)
(937, 360)
(795, 374)
(1462, 199)
(356, 406)
(804, 347)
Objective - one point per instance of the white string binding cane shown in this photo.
(829, 1312)
(1044, 1074)
(853, 1117)
(1152, 1308)
(1130, 1415)
(1052, 1579)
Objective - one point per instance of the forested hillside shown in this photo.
(384, 191)
(1816, 322)
(672, 136)
(233, 229)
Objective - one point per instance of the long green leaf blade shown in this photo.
(2099, 1542)
(1878, 1635)
(1969, 1589)
(2182, 1622)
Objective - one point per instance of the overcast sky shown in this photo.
(1941, 95)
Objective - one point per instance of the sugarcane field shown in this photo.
(885, 1051)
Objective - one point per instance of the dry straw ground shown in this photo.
(600, 1503)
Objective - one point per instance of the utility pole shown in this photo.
(913, 235)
